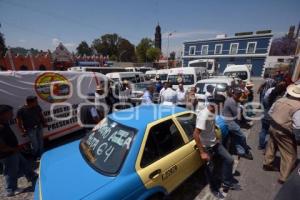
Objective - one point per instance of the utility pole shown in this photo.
(169, 34)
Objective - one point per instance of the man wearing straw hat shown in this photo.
(285, 125)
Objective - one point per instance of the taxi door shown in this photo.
(163, 156)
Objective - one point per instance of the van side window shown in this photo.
(188, 123)
(162, 140)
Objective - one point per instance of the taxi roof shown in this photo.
(139, 117)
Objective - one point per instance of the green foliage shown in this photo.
(153, 54)
(84, 49)
(141, 49)
(114, 46)
(2, 44)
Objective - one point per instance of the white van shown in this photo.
(239, 71)
(189, 75)
(150, 75)
(209, 64)
(59, 94)
(133, 77)
(162, 74)
(102, 70)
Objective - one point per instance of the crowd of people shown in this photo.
(281, 121)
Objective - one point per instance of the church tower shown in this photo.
(158, 37)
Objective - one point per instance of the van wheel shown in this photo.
(158, 196)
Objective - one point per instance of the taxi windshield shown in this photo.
(106, 147)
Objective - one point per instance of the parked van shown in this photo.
(239, 71)
(162, 74)
(60, 94)
(209, 64)
(102, 70)
(133, 77)
(150, 75)
(188, 75)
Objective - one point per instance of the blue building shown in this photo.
(243, 48)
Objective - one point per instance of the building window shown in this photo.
(251, 47)
(218, 48)
(234, 48)
(204, 49)
(192, 50)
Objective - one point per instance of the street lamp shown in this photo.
(169, 34)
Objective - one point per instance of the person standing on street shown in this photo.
(285, 125)
(191, 100)
(31, 121)
(169, 96)
(268, 83)
(181, 96)
(10, 157)
(147, 97)
(165, 86)
(89, 115)
(230, 113)
(211, 149)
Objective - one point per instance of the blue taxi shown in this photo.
(143, 152)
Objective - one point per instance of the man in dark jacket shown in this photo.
(14, 163)
(31, 121)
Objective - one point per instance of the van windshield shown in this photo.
(188, 79)
(201, 87)
(239, 74)
(106, 147)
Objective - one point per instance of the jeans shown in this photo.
(222, 157)
(265, 125)
(15, 166)
(37, 141)
(239, 138)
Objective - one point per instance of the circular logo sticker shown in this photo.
(59, 84)
(179, 80)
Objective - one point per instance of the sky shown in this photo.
(43, 24)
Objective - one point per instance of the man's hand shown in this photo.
(204, 156)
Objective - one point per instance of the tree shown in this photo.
(84, 49)
(142, 47)
(2, 44)
(126, 51)
(115, 47)
(283, 46)
(153, 54)
(107, 44)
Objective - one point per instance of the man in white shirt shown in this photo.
(148, 95)
(181, 96)
(169, 96)
(165, 86)
(211, 149)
